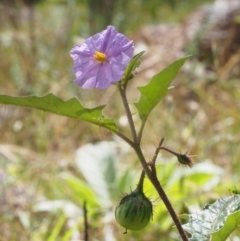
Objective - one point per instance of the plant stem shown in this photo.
(141, 157)
(150, 172)
(140, 132)
(130, 142)
(168, 150)
(141, 181)
(85, 221)
(157, 151)
(128, 112)
(156, 183)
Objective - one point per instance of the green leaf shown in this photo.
(157, 88)
(55, 232)
(133, 64)
(232, 223)
(79, 190)
(101, 159)
(216, 221)
(70, 108)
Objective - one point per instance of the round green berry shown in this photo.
(134, 211)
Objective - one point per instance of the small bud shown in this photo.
(184, 159)
(134, 211)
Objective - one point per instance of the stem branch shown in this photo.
(128, 112)
(154, 180)
(149, 171)
(130, 142)
(152, 175)
(157, 151)
(141, 181)
(168, 150)
(140, 132)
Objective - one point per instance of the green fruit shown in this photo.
(134, 211)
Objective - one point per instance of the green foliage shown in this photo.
(216, 221)
(55, 233)
(79, 190)
(231, 224)
(134, 63)
(157, 88)
(35, 59)
(128, 15)
(101, 159)
(70, 108)
(151, 95)
(184, 186)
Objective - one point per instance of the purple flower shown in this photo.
(101, 60)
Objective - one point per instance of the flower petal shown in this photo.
(87, 77)
(91, 73)
(107, 76)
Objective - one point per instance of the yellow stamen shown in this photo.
(100, 56)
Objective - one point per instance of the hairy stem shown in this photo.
(140, 132)
(157, 151)
(141, 157)
(141, 181)
(150, 172)
(130, 142)
(128, 112)
(168, 150)
(156, 183)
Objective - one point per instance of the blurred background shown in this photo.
(51, 165)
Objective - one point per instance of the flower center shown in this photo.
(100, 56)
